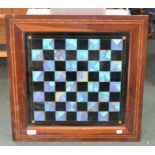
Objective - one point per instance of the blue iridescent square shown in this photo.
(104, 76)
(115, 86)
(82, 116)
(39, 115)
(49, 86)
(92, 106)
(82, 76)
(49, 65)
(71, 106)
(82, 55)
(93, 86)
(60, 55)
(48, 44)
(104, 96)
(71, 86)
(82, 96)
(116, 44)
(37, 76)
(71, 65)
(116, 66)
(37, 55)
(38, 96)
(60, 76)
(94, 44)
(71, 44)
(114, 106)
(105, 55)
(60, 97)
(49, 106)
(103, 116)
(93, 65)
(60, 115)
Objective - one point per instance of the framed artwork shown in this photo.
(76, 78)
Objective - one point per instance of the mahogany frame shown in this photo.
(135, 25)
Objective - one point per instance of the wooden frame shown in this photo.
(135, 25)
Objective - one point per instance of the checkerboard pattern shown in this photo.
(76, 79)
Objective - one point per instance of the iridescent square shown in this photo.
(71, 44)
(39, 115)
(114, 106)
(49, 86)
(49, 106)
(82, 76)
(82, 116)
(71, 65)
(82, 96)
(82, 55)
(38, 96)
(105, 55)
(60, 76)
(71, 106)
(103, 116)
(93, 86)
(49, 65)
(93, 65)
(115, 86)
(60, 55)
(92, 106)
(71, 86)
(116, 44)
(94, 44)
(37, 76)
(60, 115)
(37, 55)
(116, 66)
(48, 44)
(104, 76)
(104, 96)
(60, 96)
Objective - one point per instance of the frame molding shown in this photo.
(135, 25)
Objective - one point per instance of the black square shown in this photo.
(116, 55)
(114, 97)
(93, 55)
(82, 44)
(37, 65)
(59, 43)
(48, 54)
(71, 76)
(49, 76)
(82, 65)
(71, 116)
(103, 106)
(92, 116)
(105, 65)
(50, 116)
(105, 44)
(60, 86)
(113, 116)
(38, 86)
(71, 96)
(71, 55)
(49, 96)
(104, 86)
(36, 44)
(38, 106)
(92, 96)
(60, 65)
(115, 76)
(82, 86)
(60, 106)
(82, 106)
(93, 76)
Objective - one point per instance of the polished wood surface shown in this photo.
(135, 25)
